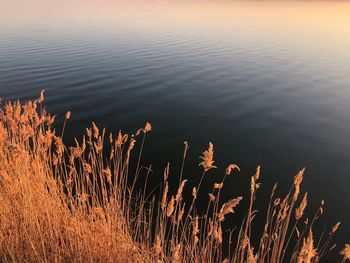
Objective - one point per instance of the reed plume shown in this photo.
(346, 252)
(208, 155)
(307, 252)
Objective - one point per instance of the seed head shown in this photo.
(346, 252)
(231, 167)
(307, 252)
(68, 114)
(300, 210)
(207, 158)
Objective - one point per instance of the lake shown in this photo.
(267, 82)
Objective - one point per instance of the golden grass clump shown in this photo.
(49, 206)
(82, 203)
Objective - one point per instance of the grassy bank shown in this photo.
(81, 204)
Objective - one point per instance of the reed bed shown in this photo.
(83, 203)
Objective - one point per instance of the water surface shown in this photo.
(267, 82)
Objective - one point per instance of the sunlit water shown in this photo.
(267, 82)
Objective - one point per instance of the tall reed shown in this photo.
(82, 203)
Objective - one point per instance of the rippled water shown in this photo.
(267, 82)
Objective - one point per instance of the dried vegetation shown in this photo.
(82, 204)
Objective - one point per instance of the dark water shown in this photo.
(268, 83)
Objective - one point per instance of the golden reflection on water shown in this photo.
(322, 16)
(303, 26)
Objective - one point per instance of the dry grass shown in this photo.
(80, 204)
